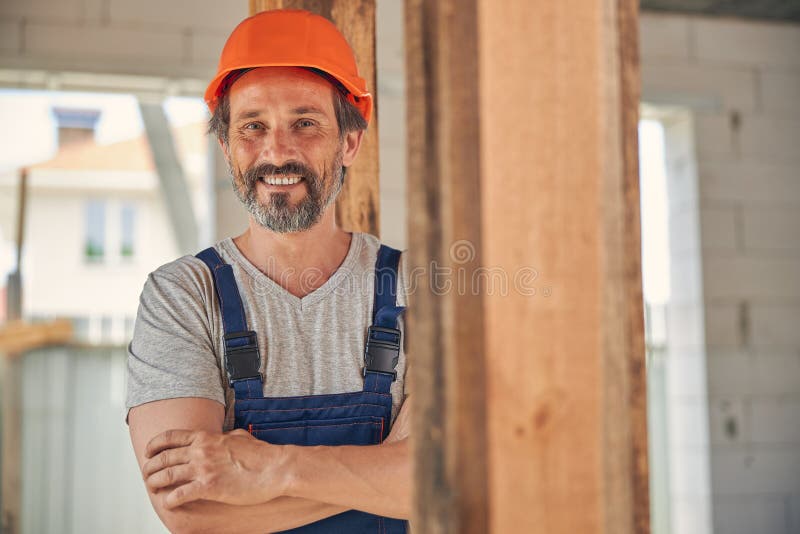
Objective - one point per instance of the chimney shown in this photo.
(75, 125)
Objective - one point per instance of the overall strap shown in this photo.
(382, 348)
(242, 359)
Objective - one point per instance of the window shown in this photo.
(95, 230)
(127, 231)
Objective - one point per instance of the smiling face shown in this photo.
(284, 149)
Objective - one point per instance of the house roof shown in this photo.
(129, 155)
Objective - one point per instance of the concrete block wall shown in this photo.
(740, 81)
(175, 39)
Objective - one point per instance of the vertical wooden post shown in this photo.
(529, 386)
(358, 203)
(446, 324)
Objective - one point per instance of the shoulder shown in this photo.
(184, 279)
(186, 271)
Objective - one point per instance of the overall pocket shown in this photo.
(363, 430)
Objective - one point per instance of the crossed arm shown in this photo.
(200, 479)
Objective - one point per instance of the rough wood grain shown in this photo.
(17, 337)
(446, 319)
(537, 172)
(630, 94)
(357, 207)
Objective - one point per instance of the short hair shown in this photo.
(348, 118)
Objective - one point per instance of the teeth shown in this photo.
(277, 180)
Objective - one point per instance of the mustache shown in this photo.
(263, 170)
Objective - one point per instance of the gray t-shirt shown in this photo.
(309, 346)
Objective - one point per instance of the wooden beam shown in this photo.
(522, 141)
(446, 326)
(633, 298)
(17, 337)
(357, 207)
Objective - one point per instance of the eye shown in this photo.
(253, 126)
(305, 123)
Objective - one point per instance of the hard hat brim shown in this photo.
(362, 100)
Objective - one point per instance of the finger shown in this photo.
(192, 491)
(169, 440)
(178, 474)
(164, 459)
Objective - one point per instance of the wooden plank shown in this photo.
(445, 324)
(357, 207)
(545, 126)
(630, 95)
(17, 337)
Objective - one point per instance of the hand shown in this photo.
(233, 468)
(401, 428)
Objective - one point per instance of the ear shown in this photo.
(350, 146)
(224, 147)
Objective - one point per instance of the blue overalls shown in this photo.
(359, 418)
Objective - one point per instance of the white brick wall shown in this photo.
(747, 515)
(178, 14)
(64, 10)
(60, 41)
(745, 43)
(775, 372)
(722, 320)
(728, 87)
(772, 330)
(780, 92)
(176, 38)
(771, 230)
(665, 37)
(719, 229)
(741, 83)
(762, 276)
(763, 184)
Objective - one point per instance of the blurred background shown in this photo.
(106, 172)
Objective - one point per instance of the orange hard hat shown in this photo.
(291, 38)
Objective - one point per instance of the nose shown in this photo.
(278, 147)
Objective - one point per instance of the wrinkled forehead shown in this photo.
(296, 74)
(280, 88)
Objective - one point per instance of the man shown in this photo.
(253, 350)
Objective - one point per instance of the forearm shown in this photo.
(374, 479)
(278, 514)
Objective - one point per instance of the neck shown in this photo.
(318, 252)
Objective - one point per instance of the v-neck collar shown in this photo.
(343, 271)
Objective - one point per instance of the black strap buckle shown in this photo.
(382, 354)
(242, 362)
